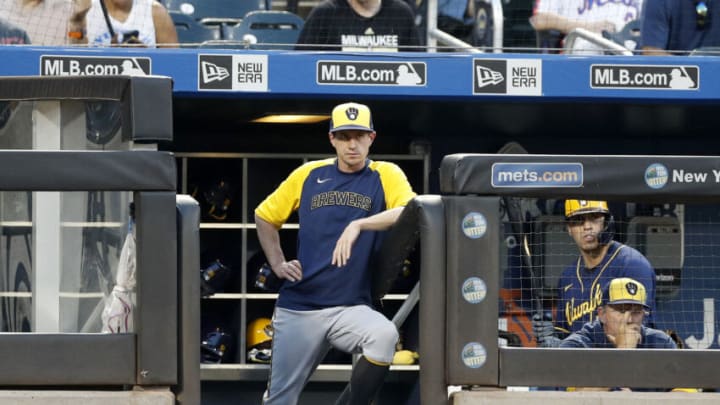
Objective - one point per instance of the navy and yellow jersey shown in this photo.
(580, 288)
(593, 335)
(327, 200)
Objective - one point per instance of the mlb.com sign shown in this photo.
(73, 65)
(516, 77)
(233, 72)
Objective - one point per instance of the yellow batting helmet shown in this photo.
(259, 341)
(259, 331)
(579, 207)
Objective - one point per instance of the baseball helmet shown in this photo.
(259, 340)
(267, 280)
(215, 347)
(215, 198)
(214, 277)
(582, 207)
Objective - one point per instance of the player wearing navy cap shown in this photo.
(601, 259)
(325, 301)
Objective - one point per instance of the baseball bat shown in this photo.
(512, 205)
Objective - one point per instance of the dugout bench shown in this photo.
(460, 234)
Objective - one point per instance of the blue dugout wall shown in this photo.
(232, 73)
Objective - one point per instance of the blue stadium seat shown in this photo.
(266, 28)
(192, 32)
(217, 12)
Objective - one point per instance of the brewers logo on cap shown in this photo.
(351, 116)
(624, 291)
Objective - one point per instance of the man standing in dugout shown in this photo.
(325, 302)
(601, 259)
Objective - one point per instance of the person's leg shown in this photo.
(298, 346)
(366, 380)
(360, 329)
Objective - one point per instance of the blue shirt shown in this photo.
(672, 25)
(580, 288)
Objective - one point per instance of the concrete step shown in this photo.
(57, 397)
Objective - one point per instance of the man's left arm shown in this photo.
(398, 193)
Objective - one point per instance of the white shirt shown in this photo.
(619, 12)
(140, 20)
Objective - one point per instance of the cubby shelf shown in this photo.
(324, 372)
(251, 177)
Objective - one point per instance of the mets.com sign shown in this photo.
(537, 175)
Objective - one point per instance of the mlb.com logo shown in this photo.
(233, 72)
(517, 77)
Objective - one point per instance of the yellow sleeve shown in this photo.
(398, 191)
(285, 200)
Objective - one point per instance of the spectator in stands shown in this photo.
(591, 225)
(12, 35)
(360, 25)
(619, 321)
(563, 16)
(130, 22)
(47, 22)
(682, 26)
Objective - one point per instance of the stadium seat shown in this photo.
(192, 33)
(217, 12)
(263, 29)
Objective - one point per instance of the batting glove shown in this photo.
(544, 332)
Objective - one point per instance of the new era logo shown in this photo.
(487, 77)
(521, 77)
(232, 72)
(212, 72)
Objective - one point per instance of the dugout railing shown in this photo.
(460, 254)
(163, 349)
